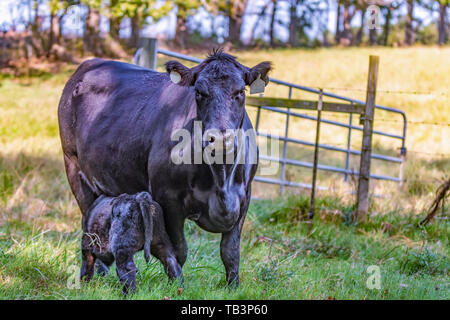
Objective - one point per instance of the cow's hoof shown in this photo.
(233, 283)
(179, 280)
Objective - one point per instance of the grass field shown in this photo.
(39, 219)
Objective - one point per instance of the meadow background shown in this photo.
(40, 221)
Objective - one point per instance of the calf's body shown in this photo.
(117, 228)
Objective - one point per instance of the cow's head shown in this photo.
(219, 83)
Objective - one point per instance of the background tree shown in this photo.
(92, 28)
(409, 28)
(234, 11)
(115, 13)
(185, 8)
(36, 28)
(58, 10)
(349, 11)
(443, 22)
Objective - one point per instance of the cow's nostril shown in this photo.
(211, 138)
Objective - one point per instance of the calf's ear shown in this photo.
(179, 74)
(255, 76)
(114, 209)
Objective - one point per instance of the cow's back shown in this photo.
(110, 114)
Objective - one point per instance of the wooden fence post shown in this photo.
(366, 150)
(149, 52)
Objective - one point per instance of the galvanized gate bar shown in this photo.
(349, 139)
(179, 56)
(299, 163)
(286, 183)
(286, 134)
(339, 124)
(328, 147)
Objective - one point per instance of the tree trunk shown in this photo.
(409, 30)
(373, 37)
(60, 26)
(36, 40)
(293, 24)
(360, 33)
(387, 25)
(272, 22)
(53, 36)
(134, 38)
(325, 39)
(235, 17)
(442, 24)
(114, 28)
(338, 23)
(181, 32)
(114, 22)
(346, 36)
(92, 32)
(36, 14)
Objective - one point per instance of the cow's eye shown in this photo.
(239, 94)
(200, 95)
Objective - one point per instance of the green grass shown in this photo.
(281, 259)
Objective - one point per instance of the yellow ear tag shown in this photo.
(257, 86)
(175, 76)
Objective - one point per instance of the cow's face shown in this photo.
(219, 83)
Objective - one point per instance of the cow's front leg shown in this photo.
(173, 220)
(175, 230)
(230, 252)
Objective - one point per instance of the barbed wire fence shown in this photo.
(409, 122)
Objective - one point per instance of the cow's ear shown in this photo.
(179, 74)
(256, 74)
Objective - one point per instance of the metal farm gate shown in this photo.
(146, 56)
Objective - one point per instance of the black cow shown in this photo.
(116, 121)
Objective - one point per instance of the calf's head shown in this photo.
(219, 83)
